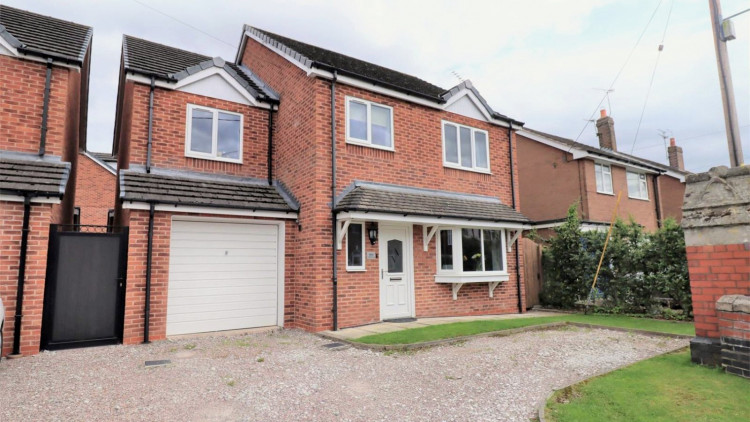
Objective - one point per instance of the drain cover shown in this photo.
(152, 363)
(334, 345)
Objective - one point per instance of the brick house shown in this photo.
(556, 172)
(231, 166)
(95, 189)
(44, 73)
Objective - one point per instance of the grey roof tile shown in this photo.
(33, 175)
(44, 35)
(171, 63)
(392, 199)
(200, 190)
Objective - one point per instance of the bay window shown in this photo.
(465, 147)
(471, 251)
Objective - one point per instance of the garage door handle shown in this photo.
(121, 282)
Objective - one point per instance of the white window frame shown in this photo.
(608, 173)
(214, 135)
(458, 268)
(458, 165)
(642, 193)
(364, 252)
(368, 142)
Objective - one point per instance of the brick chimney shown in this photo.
(605, 130)
(675, 155)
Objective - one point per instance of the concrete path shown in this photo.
(389, 327)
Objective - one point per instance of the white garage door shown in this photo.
(222, 276)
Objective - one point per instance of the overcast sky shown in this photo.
(543, 62)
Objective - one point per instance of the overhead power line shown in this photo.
(195, 28)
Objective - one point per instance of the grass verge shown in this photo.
(460, 329)
(664, 388)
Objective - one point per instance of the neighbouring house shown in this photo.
(556, 173)
(95, 189)
(212, 230)
(407, 191)
(44, 74)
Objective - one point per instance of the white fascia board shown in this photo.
(431, 221)
(209, 210)
(35, 200)
(579, 153)
(175, 86)
(289, 58)
(482, 109)
(96, 160)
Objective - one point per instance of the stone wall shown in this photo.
(716, 220)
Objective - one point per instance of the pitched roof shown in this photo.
(608, 153)
(44, 35)
(40, 177)
(314, 56)
(394, 199)
(173, 64)
(203, 190)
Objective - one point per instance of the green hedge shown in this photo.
(640, 270)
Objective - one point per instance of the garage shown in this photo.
(224, 275)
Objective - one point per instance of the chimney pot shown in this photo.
(602, 113)
(671, 142)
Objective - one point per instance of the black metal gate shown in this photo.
(84, 293)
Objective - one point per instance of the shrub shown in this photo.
(637, 268)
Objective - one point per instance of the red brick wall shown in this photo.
(11, 214)
(671, 192)
(548, 180)
(95, 191)
(136, 274)
(601, 206)
(303, 163)
(169, 127)
(21, 102)
(716, 271)
(734, 324)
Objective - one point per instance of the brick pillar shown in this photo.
(734, 328)
(716, 220)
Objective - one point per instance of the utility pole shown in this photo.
(727, 89)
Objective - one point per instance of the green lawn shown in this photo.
(458, 329)
(664, 388)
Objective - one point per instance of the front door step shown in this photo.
(400, 320)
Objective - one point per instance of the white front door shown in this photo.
(396, 287)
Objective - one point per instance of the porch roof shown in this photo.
(409, 201)
(30, 174)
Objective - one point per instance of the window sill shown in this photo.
(366, 144)
(356, 269)
(637, 198)
(606, 193)
(463, 278)
(212, 158)
(472, 170)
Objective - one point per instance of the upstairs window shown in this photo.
(369, 124)
(213, 134)
(465, 148)
(603, 178)
(637, 187)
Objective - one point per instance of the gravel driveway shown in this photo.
(289, 375)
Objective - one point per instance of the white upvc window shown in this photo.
(355, 247)
(465, 147)
(464, 251)
(369, 124)
(637, 186)
(213, 134)
(603, 178)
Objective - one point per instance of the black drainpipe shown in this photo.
(150, 124)
(149, 257)
(334, 260)
(21, 275)
(45, 108)
(513, 202)
(657, 202)
(270, 146)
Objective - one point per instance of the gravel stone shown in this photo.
(289, 375)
